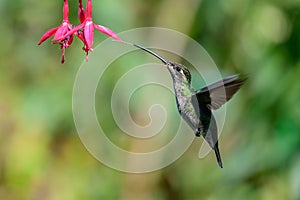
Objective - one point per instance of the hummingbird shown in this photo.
(195, 107)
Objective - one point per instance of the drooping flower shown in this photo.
(64, 33)
(60, 31)
(85, 31)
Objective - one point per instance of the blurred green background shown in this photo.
(42, 156)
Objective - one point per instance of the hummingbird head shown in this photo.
(179, 72)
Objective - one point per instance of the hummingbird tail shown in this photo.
(217, 152)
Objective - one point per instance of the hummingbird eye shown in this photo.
(178, 69)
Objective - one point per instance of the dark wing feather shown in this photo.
(217, 94)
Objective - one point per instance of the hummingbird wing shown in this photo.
(217, 94)
(207, 126)
(210, 98)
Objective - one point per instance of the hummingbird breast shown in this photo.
(185, 106)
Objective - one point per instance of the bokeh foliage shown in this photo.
(43, 158)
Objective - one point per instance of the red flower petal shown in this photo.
(71, 32)
(89, 34)
(81, 12)
(69, 42)
(108, 32)
(61, 31)
(81, 15)
(80, 35)
(48, 34)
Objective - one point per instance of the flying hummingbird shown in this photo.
(196, 107)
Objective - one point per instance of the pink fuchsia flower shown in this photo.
(85, 31)
(60, 31)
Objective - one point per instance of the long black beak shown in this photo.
(153, 53)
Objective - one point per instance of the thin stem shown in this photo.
(66, 11)
(81, 12)
(80, 4)
(89, 8)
